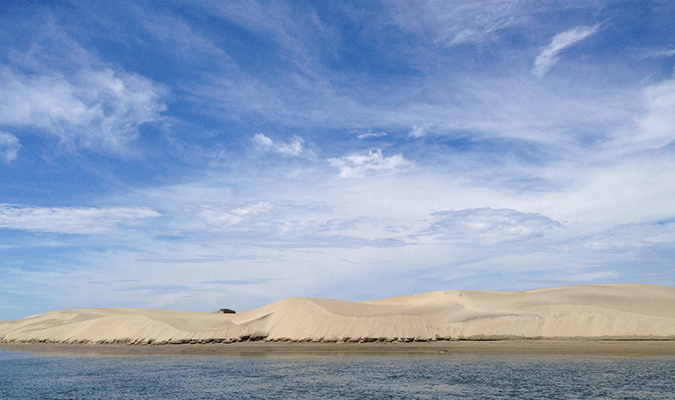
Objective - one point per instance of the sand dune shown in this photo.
(582, 312)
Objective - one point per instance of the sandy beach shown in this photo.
(584, 315)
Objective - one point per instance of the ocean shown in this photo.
(39, 376)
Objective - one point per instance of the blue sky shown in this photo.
(195, 155)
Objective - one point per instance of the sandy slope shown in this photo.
(594, 311)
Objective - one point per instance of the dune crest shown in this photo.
(616, 311)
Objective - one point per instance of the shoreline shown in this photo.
(466, 348)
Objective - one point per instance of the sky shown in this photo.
(197, 155)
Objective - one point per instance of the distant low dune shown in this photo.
(619, 311)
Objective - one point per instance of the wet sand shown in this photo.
(527, 348)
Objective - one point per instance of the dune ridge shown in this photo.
(611, 311)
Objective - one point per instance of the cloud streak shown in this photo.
(73, 220)
(462, 21)
(549, 56)
(371, 135)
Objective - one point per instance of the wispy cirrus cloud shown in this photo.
(70, 220)
(58, 89)
(460, 21)
(271, 19)
(217, 218)
(634, 236)
(95, 108)
(549, 56)
(488, 226)
(666, 53)
(9, 147)
(656, 126)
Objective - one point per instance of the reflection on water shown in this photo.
(32, 376)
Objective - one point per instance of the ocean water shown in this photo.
(35, 376)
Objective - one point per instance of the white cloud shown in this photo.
(234, 216)
(260, 207)
(370, 135)
(70, 220)
(263, 141)
(651, 127)
(294, 148)
(57, 88)
(487, 226)
(549, 56)
(9, 147)
(358, 165)
(94, 108)
(418, 131)
(657, 126)
(632, 236)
